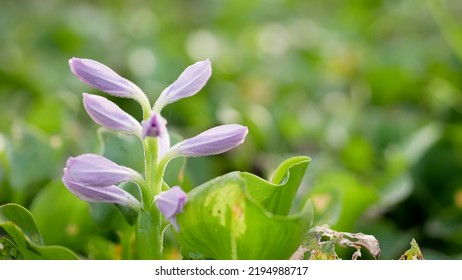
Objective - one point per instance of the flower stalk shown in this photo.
(95, 178)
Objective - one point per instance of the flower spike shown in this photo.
(188, 83)
(107, 114)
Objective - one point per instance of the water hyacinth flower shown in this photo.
(214, 141)
(101, 77)
(191, 80)
(170, 203)
(107, 114)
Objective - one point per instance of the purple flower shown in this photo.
(101, 77)
(97, 171)
(188, 83)
(107, 114)
(210, 142)
(170, 203)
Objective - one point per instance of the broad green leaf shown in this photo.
(20, 226)
(228, 217)
(21, 217)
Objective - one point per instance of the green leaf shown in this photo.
(277, 196)
(20, 226)
(241, 216)
(21, 217)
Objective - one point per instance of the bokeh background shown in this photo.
(370, 89)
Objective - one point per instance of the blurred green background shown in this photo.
(370, 89)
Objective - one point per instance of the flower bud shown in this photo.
(188, 83)
(108, 194)
(170, 203)
(216, 140)
(97, 171)
(107, 114)
(101, 77)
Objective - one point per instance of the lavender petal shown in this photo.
(101, 77)
(191, 80)
(108, 194)
(107, 114)
(210, 142)
(97, 171)
(170, 203)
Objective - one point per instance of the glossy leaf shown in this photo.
(236, 216)
(20, 226)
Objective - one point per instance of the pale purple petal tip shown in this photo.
(101, 77)
(107, 114)
(97, 171)
(108, 194)
(214, 141)
(156, 126)
(170, 203)
(191, 80)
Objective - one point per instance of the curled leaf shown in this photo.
(413, 253)
(322, 249)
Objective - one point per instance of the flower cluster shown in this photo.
(94, 178)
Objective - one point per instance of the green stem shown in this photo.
(148, 235)
(150, 154)
(148, 226)
(148, 231)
